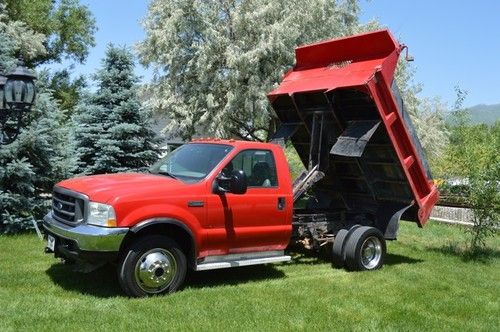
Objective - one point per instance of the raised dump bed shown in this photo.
(341, 109)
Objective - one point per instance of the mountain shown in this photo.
(482, 113)
(485, 113)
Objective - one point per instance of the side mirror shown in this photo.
(238, 182)
(235, 183)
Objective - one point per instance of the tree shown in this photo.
(427, 114)
(66, 90)
(18, 39)
(472, 155)
(485, 200)
(68, 27)
(216, 60)
(50, 31)
(31, 165)
(112, 131)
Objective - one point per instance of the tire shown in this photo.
(338, 250)
(365, 249)
(338, 246)
(153, 265)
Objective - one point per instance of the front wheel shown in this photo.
(153, 265)
(365, 249)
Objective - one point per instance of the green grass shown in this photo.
(426, 284)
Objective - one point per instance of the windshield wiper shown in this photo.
(167, 174)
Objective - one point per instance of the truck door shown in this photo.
(256, 220)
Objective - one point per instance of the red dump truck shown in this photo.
(214, 203)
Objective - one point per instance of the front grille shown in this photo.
(68, 206)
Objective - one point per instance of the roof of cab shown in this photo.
(233, 142)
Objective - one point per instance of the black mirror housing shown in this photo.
(238, 182)
(235, 183)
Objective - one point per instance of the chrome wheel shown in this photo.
(155, 270)
(371, 252)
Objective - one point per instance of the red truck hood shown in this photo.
(102, 188)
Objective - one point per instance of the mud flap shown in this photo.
(388, 219)
(355, 137)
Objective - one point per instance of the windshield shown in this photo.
(191, 162)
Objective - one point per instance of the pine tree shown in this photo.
(31, 165)
(112, 131)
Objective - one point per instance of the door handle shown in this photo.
(281, 203)
(196, 204)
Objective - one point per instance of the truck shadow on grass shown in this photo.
(393, 259)
(233, 276)
(307, 257)
(103, 282)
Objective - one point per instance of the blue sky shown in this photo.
(453, 42)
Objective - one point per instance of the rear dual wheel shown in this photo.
(361, 248)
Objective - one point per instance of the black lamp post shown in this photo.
(17, 94)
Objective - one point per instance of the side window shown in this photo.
(258, 165)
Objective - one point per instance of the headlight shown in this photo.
(101, 215)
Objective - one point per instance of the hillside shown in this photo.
(485, 113)
(482, 113)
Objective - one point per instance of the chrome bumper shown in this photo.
(87, 237)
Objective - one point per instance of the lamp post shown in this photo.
(17, 94)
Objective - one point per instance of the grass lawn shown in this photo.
(424, 285)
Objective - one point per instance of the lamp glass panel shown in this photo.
(9, 86)
(2, 99)
(19, 88)
(29, 96)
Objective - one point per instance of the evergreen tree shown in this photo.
(31, 165)
(112, 131)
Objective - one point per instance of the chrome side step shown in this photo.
(236, 260)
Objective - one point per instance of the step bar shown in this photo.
(237, 260)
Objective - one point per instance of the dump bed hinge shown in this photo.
(305, 181)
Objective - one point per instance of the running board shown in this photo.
(227, 261)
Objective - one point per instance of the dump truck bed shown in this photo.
(342, 111)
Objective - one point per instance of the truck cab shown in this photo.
(212, 203)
